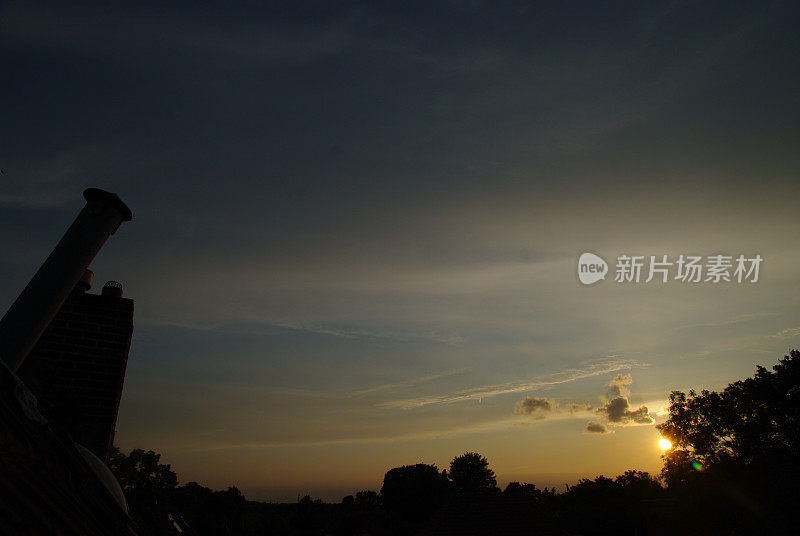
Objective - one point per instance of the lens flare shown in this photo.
(697, 466)
(665, 443)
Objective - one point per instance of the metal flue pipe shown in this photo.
(38, 303)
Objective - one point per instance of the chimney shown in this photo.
(38, 303)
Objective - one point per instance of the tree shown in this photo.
(526, 491)
(149, 487)
(414, 491)
(140, 474)
(751, 419)
(739, 448)
(208, 511)
(367, 499)
(609, 506)
(638, 485)
(470, 472)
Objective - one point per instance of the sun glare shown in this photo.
(665, 443)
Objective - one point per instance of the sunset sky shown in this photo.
(357, 226)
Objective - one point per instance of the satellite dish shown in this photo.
(105, 476)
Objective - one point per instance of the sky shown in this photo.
(357, 226)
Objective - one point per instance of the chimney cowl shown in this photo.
(101, 197)
(112, 288)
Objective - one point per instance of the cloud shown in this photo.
(413, 381)
(253, 324)
(619, 385)
(593, 427)
(788, 333)
(128, 31)
(731, 321)
(577, 408)
(617, 411)
(609, 364)
(536, 407)
(540, 408)
(56, 179)
(457, 431)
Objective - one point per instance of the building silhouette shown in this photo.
(76, 370)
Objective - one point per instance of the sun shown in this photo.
(665, 443)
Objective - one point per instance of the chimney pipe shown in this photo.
(38, 303)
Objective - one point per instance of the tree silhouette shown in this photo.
(367, 499)
(414, 491)
(610, 506)
(638, 484)
(149, 486)
(749, 420)
(470, 473)
(737, 450)
(140, 474)
(206, 511)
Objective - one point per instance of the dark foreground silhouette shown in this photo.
(733, 470)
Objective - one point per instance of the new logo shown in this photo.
(591, 268)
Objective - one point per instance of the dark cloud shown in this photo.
(538, 408)
(593, 427)
(618, 411)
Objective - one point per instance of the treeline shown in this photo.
(733, 469)
(414, 499)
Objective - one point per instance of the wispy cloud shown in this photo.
(788, 333)
(731, 321)
(610, 364)
(360, 333)
(50, 182)
(40, 24)
(413, 436)
(407, 383)
(254, 325)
